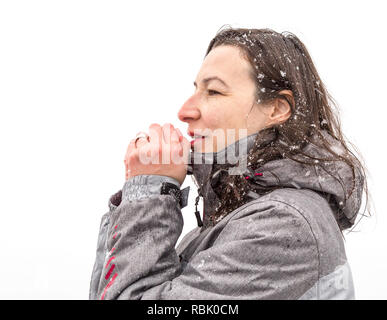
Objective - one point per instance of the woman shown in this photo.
(273, 213)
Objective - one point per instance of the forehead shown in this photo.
(227, 63)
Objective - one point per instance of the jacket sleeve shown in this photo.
(266, 251)
(130, 209)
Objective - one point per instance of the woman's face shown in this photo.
(223, 98)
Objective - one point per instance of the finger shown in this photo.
(186, 144)
(167, 132)
(155, 136)
(125, 163)
(180, 135)
(140, 142)
(175, 138)
(130, 147)
(186, 148)
(129, 150)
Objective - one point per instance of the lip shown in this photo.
(197, 139)
(191, 134)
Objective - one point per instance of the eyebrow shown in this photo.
(206, 80)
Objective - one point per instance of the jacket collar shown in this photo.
(207, 169)
(341, 186)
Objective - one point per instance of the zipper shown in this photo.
(197, 212)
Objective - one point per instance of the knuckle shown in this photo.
(132, 156)
(154, 125)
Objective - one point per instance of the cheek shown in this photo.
(213, 118)
(224, 115)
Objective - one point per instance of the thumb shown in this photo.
(186, 149)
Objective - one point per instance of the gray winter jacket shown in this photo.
(282, 245)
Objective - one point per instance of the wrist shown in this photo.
(144, 186)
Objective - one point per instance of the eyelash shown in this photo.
(215, 92)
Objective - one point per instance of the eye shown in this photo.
(213, 92)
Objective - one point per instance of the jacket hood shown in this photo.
(334, 181)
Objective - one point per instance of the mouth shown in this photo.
(196, 137)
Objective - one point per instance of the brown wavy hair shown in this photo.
(280, 61)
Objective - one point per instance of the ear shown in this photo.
(280, 110)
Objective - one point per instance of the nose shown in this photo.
(189, 112)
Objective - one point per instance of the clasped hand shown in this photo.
(165, 152)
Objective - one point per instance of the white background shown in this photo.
(78, 80)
